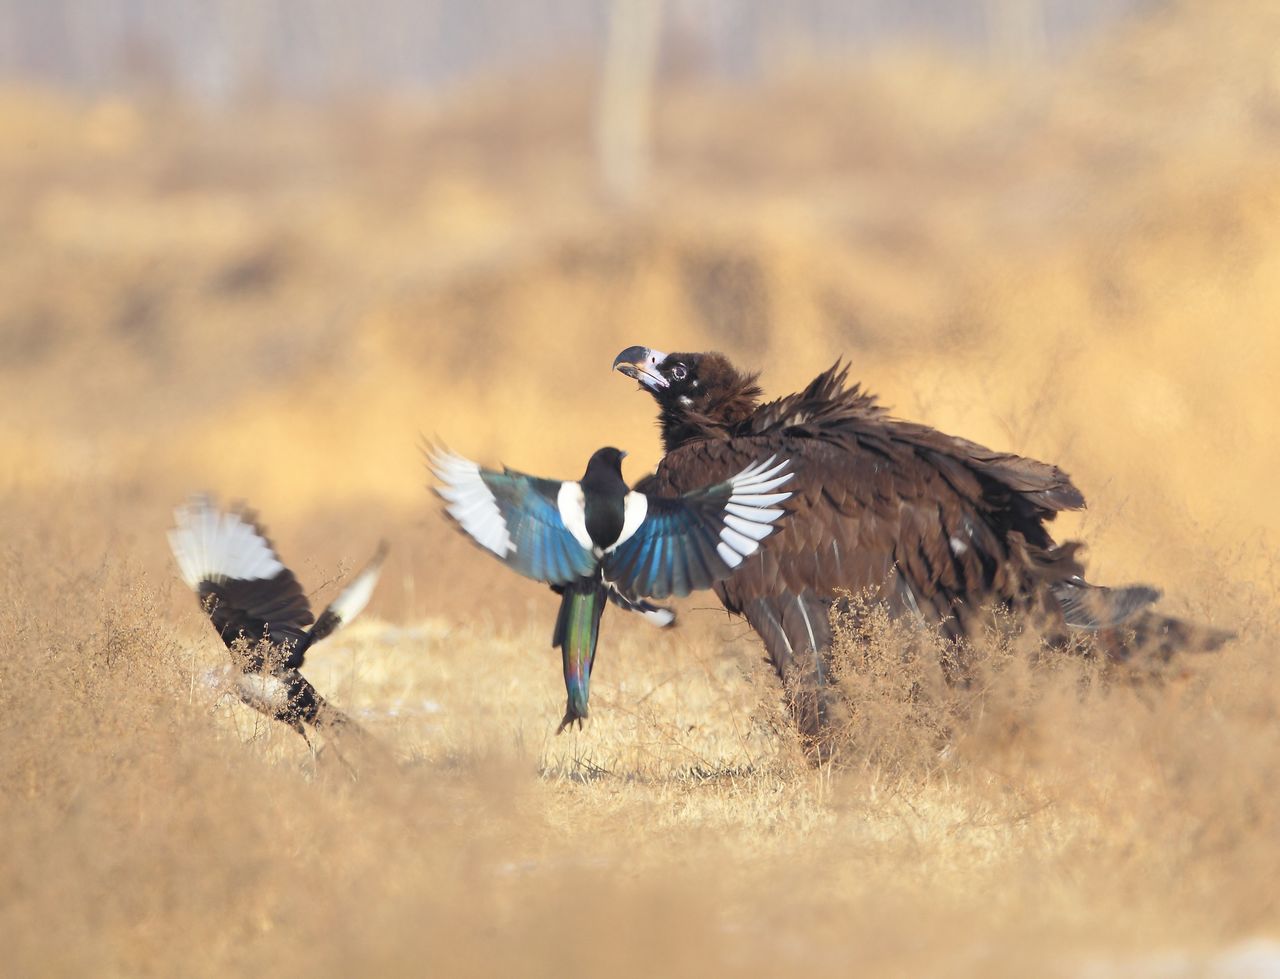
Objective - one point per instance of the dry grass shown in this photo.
(275, 303)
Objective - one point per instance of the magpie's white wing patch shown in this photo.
(657, 615)
(240, 582)
(635, 509)
(351, 601)
(750, 512)
(470, 502)
(211, 545)
(571, 502)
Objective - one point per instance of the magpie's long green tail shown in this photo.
(577, 629)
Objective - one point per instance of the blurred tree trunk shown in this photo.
(624, 111)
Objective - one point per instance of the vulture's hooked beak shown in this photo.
(642, 364)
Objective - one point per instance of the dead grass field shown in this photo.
(276, 302)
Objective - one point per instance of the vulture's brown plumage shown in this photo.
(936, 527)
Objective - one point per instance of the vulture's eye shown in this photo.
(678, 373)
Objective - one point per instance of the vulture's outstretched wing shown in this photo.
(691, 541)
(884, 517)
(904, 522)
(515, 516)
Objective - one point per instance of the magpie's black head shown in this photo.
(690, 388)
(604, 463)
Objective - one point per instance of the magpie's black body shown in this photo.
(260, 612)
(582, 601)
(597, 540)
(605, 493)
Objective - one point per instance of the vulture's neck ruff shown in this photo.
(712, 402)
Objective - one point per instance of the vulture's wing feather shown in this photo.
(921, 526)
(1094, 607)
(515, 516)
(229, 562)
(692, 541)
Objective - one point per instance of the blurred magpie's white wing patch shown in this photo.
(351, 601)
(239, 580)
(210, 545)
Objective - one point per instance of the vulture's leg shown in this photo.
(796, 630)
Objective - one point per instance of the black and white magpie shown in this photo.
(596, 538)
(260, 611)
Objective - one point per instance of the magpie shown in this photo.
(260, 612)
(596, 538)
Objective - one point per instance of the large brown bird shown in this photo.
(934, 526)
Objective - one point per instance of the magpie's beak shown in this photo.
(642, 364)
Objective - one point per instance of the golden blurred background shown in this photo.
(1070, 252)
(265, 249)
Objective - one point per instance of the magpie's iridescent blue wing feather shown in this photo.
(692, 541)
(514, 516)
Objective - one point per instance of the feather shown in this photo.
(576, 634)
(260, 612)
(939, 527)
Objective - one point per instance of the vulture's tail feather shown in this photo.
(1092, 607)
(1155, 637)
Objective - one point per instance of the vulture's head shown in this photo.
(694, 381)
(696, 392)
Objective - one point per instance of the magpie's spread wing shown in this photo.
(352, 599)
(516, 517)
(228, 561)
(680, 544)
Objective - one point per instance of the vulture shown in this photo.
(260, 611)
(938, 528)
(596, 539)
